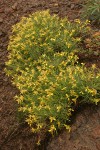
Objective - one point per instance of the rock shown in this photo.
(68, 3)
(96, 53)
(5, 79)
(1, 33)
(72, 6)
(1, 10)
(8, 11)
(1, 20)
(96, 132)
(98, 145)
(14, 7)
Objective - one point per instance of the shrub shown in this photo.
(91, 11)
(44, 67)
(49, 94)
(41, 34)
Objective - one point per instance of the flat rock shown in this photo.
(14, 7)
(1, 20)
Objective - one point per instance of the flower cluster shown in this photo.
(51, 90)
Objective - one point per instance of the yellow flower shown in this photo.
(38, 143)
(67, 127)
(58, 108)
(94, 92)
(96, 100)
(52, 129)
(20, 99)
(52, 39)
(74, 100)
(68, 45)
(77, 21)
(33, 130)
(58, 124)
(94, 66)
(52, 119)
(91, 91)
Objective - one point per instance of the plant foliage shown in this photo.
(45, 69)
(91, 11)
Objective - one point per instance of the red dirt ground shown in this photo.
(85, 132)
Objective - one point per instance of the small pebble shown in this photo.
(14, 7)
(1, 20)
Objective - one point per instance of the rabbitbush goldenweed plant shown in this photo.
(91, 11)
(45, 69)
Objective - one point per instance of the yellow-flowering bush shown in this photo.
(40, 34)
(44, 67)
(52, 89)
